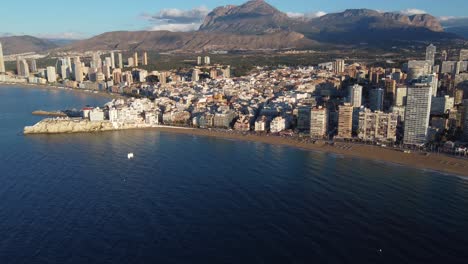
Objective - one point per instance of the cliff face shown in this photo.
(253, 17)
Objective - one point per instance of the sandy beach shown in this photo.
(436, 162)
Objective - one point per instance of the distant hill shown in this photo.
(163, 41)
(24, 44)
(352, 26)
(457, 26)
(253, 17)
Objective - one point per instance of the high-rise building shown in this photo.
(390, 88)
(432, 80)
(417, 112)
(339, 66)
(195, 75)
(345, 121)
(78, 71)
(430, 54)
(303, 118)
(463, 55)
(51, 74)
(145, 58)
(23, 67)
(400, 96)
(355, 95)
(443, 55)
(207, 60)
(376, 98)
(459, 93)
(441, 105)
(319, 122)
(135, 59)
(465, 120)
(65, 72)
(120, 61)
(213, 73)
(2, 61)
(227, 72)
(112, 60)
(131, 62)
(199, 60)
(32, 65)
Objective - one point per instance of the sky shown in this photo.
(86, 18)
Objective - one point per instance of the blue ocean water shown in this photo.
(190, 199)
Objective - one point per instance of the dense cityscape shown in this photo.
(421, 105)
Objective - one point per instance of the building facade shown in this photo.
(417, 112)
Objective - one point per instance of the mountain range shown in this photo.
(256, 25)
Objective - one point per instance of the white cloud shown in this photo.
(176, 19)
(306, 15)
(412, 11)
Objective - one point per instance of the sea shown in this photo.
(76, 198)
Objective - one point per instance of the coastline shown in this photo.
(435, 162)
(57, 88)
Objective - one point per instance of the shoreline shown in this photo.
(58, 88)
(433, 162)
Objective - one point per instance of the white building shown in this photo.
(2, 61)
(51, 74)
(319, 122)
(355, 95)
(278, 124)
(430, 54)
(96, 114)
(261, 125)
(417, 112)
(377, 126)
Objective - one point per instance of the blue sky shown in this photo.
(84, 18)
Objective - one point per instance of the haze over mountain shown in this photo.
(258, 25)
(456, 25)
(24, 44)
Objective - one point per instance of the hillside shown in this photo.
(24, 44)
(164, 41)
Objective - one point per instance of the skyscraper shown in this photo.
(145, 58)
(430, 54)
(23, 67)
(77, 70)
(51, 74)
(207, 60)
(377, 99)
(345, 121)
(120, 61)
(195, 75)
(319, 122)
(417, 112)
(355, 95)
(339, 66)
(112, 60)
(465, 120)
(199, 60)
(135, 59)
(2, 62)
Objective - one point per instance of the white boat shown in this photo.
(130, 156)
